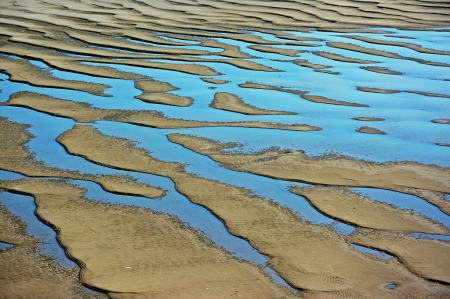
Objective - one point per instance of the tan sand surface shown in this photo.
(425, 257)
(342, 58)
(83, 112)
(26, 273)
(23, 71)
(341, 171)
(65, 63)
(309, 257)
(154, 86)
(368, 118)
(327, 71)
(378, 90)
(230, 102)
(249, 84)
(324, 100)
(358, 210)
(214, 81)
(155, 92)
(356, 48)
(370, 130)
(286, 52)
(166, 99)
(381, 70)
(399, 44)
(441, 121)
(306, 63)
(129, 251)
(443, 144)
(16, 157)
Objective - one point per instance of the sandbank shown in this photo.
(230, 102)
(159, 255)
(16, 157)
(324, 100)
(83, 112)
(370, 130)
(361, 211)
(368, 118)
(292, 244)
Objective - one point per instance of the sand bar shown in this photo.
(149, 254)
(370, 130)
(341, 171)
(378, 90)
(214, 80)
(23, 71)
(230, 102)
(16, 157)
(324, 100)
(352, 47)
(358, 210)
(342, 58)
(426, 257)
(83, 112)
(292, 244)
(368, 118)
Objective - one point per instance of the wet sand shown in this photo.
(83, 112)
(231, 102)
(132, 252)
(267, 226)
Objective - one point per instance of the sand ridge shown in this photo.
(158, 255)
(243, 217)
(16, 157)
(83, 112)
(230, 102)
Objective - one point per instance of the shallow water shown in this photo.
(410, 133)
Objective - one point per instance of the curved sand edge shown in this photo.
(370, 130)
(338, 171)
(293, 245)
(83, 112)
(159, 255)
(230, 102)
(358, 210)
(40, 275)
(16, 157)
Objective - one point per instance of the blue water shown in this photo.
(411, 136)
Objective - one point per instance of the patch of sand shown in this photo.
(342, 58)
(441, 121)
(230, 102)
(83, 112)
(16, 157)
(425, 257)
(369, 130)
(26, 273)
(23, 71)
(352, 47)
(368, 118)
(358, 210)
(399, 44)
(341, 171)
(267, 49)
(249, 84)
(381, 70)
(130, 251)
(307, 256)
(214, 81)
(378, 90)
(324, 100)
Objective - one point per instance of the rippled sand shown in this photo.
(216, 118)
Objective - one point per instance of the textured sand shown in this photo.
(269, 227)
